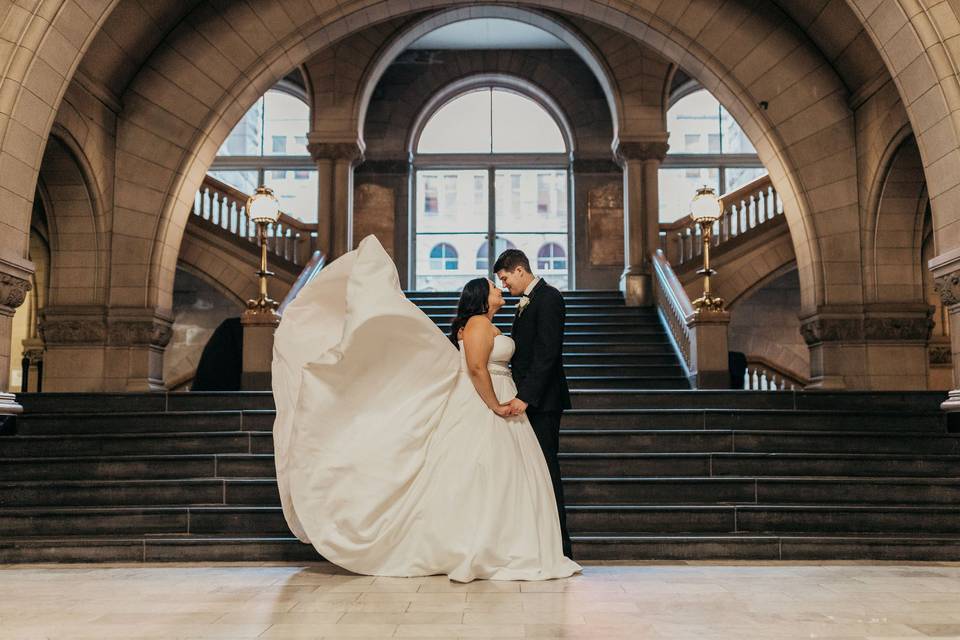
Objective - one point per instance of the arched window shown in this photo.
(443, 257)
(516, 193)
(269, 146)
(483, 253)
(551, 257)
(491, 120)
(707, 147)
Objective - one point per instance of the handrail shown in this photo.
(317, 261)
(225, 207)
(753, 206)
(764, 375)
(675, 308)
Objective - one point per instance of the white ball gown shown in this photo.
(388, 461)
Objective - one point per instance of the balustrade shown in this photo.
(224, 207)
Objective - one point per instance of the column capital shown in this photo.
(14, 283)
(328, 149)
(641, 149)
(946, 277)
(874, 323)
(99, 326)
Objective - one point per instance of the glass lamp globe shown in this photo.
(263, 206)
(705, 208)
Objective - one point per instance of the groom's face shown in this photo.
(513, 281)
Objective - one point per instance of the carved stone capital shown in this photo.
(154, 332)
(350, 151)
(627, 150)
(940, 354)
(820, 329)
(73, 331)
(906, 323)
(13, 290)
(947, 287)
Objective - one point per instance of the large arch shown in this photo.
(787, 140)
(580, 45)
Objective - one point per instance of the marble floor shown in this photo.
(674, 601)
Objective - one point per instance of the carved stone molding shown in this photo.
(817, 330)
(948, 288)
(940, 354)
(898, 328)
(13, 290)
(642, 149)
(390, 167)
(155, 333)
(352, 151)
(64, 331)
(601, 166)
(892, 327)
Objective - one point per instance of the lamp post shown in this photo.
(263, 209)
(705, 210)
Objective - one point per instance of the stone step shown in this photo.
(587, 547)
(666, 358)
(628, 370)
(571, 441)
(706, 491)
(589, 491)
(572, 325)
(784, 519)
(651, 465)
(573, 293)
(658, 419)
(591, 299)
(623, 519)
(760, 419)
(627, 382)
(573, 311)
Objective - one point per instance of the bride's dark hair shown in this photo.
(473, 302)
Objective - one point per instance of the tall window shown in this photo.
(269, 146)
(482, 138)
(707, 147)
(551, 257)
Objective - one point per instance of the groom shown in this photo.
(538, 362)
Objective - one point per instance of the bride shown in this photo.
(395, 453)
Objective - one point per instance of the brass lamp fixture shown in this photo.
(263, 209)
(705, 210)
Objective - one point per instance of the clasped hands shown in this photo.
(513, 408)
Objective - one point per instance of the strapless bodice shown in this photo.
(499, 361)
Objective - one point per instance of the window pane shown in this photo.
(286, 122)
(246, 139)
(297, 195)
(531, 201)
(245, 181)
(737, 177)
(439, 270)
(678, 186)
(460, 126)
(694, 124)
(734, 139)
(520, 125)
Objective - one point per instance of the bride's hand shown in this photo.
(502, 410)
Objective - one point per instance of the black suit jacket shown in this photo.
(538, 361)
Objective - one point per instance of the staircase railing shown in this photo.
(763, 375)
(699, 336)
(224, 207)
(753, 207)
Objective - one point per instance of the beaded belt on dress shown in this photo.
(498, 370)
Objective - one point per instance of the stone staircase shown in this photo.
(649, 474)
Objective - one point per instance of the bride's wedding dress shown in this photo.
(388, 461)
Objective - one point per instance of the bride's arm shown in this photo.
(477, 344)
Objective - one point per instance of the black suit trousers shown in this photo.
(546, 424)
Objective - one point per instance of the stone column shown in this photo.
(946, 282)
(91, 349)
(875, 346)
(335, 164)
(640, 160)
(14, 285)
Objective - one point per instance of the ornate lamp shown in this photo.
(263, 209)
(705, 210)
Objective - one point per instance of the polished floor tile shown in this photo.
(654, 601)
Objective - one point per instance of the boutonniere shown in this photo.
(522, 304)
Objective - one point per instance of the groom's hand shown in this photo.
(517, 406)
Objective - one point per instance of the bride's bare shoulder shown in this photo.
(479, 325)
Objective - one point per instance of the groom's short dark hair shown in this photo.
(510, 260)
